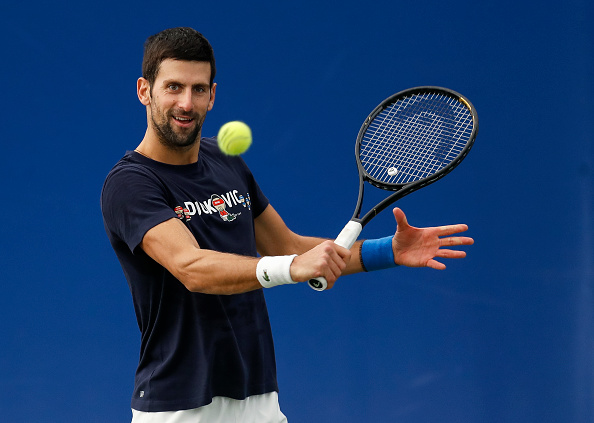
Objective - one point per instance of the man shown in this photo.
(195, 276)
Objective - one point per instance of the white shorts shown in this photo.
(254, 409)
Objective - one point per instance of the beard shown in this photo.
(172, 139)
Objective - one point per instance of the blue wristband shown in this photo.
(377, 254)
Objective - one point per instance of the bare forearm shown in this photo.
(212, 272)
(173, 246)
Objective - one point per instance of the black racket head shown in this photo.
(415, 137)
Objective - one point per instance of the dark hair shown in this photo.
(179, 44)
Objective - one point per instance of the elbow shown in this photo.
(188, 269)
(185, 272)
(204, 283)
(193, 282)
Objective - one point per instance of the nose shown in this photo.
(185, 101)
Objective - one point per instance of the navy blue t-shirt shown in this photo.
(193, 346)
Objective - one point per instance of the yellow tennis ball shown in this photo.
(234, 138)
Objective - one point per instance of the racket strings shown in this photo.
(415, 137)
(424, 153)
(416, 156)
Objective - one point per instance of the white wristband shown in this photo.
(275, 270)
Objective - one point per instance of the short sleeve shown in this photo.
(259, 202)
(133, 200)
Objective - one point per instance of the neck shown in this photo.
(152, 148)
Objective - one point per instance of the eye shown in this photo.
(200, 89)
(173, 87)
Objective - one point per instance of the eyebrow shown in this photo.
(176, 82)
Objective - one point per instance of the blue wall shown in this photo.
(506, 335)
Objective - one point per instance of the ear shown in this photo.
(213, 91)
(143, 89)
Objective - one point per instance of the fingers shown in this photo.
(450, 254)
(442, 231)
(447, 253)
(333, 260)
(452, 242)
(327, 260)
(451, 229)
(455, 240)
(434, 264)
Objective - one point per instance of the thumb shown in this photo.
(400, 218)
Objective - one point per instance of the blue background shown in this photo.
(506, 335)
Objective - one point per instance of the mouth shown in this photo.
(184, 122)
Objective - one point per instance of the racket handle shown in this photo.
(346, 238)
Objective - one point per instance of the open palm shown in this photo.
(418, 247)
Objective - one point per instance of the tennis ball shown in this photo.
(234, 138)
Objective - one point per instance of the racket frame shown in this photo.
(351, 231)
(402, 190)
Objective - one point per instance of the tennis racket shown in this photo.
(409, 141)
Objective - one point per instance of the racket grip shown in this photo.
(346, 238)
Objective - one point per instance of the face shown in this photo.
(178, 101)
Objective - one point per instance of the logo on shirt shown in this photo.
(182, 214)
(217, 204)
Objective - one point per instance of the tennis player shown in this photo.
(196, 280)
